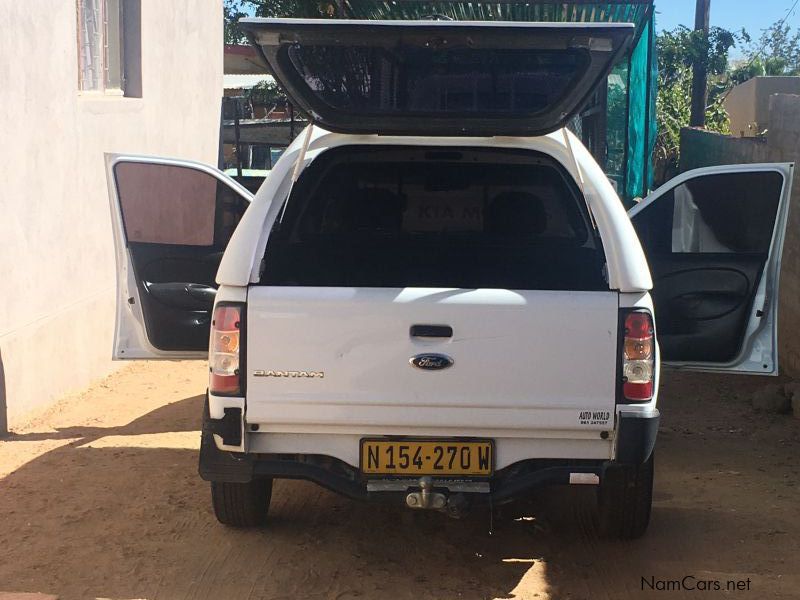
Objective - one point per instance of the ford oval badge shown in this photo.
(431, 362)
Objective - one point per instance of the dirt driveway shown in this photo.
(99, 498)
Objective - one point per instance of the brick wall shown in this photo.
(701, 148)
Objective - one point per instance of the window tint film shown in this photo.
(389, 217)
(438, 80)
(164, 204)
(725, 213)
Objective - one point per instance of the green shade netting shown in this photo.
(642, 77)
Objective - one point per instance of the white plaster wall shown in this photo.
(56, 258)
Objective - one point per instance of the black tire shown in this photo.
(241, 504)
(624, 501)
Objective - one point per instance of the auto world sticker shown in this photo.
(594, 417)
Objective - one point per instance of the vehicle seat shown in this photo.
(375, 210)
(515, 213)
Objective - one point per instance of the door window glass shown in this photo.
(165, 204)
(713, 214)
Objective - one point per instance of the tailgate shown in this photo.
(326, 359)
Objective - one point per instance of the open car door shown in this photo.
(172, 220)
(438, 77)
(713, 238)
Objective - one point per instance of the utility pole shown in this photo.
(699, 71)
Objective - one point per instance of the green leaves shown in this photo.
(777, 52)
(267, 94)
(683, 48)
(233, 10)
(678, 51)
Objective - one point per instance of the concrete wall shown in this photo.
(748, 104)
(781, 144)
(57, 271)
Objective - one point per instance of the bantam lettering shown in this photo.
(293, 374)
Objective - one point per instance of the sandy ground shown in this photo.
(99, 498)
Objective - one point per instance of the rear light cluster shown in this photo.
(638, 357)
(224, 349)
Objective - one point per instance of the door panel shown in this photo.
(438, 77)
(713, 240)
(702, 304)
(177, 316)
(172, 222)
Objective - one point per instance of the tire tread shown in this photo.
(241, 504)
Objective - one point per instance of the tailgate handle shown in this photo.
(431, 331)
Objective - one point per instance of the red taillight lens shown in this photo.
(638, 364)
(638, 392)
(223, 355)
(638, 326)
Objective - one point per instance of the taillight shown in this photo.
(224, 349)
(638, 357)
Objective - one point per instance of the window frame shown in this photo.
(114, 52)
(759, 350)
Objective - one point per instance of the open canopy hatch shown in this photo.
(443, 78)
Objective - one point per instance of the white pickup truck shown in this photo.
(436, 296)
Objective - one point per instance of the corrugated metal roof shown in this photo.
(243, 82)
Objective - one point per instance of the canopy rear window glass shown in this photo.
(421, 81)
(438, 78)
(434, 217)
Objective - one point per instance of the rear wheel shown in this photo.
(241, 504)
(624, 499)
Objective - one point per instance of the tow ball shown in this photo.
(426, 497)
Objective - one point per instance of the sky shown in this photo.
(753, 15)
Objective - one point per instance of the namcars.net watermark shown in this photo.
(691, 583)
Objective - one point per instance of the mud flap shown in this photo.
(221, 465)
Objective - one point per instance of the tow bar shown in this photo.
(426, 497)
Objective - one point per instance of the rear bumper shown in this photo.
(636, 436)
(635, 441)
(504, 486)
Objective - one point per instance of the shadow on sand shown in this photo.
(119, 520)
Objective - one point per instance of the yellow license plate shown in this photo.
(426, 457)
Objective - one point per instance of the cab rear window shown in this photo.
(422, 217)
